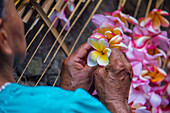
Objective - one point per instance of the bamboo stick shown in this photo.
(46, 6)
(137, 8)
(24, 3)
(22, 7)
(98, 4)
(37, 19)
(60, 4)
(16, 2)
(56, 79)
(34, 38)
(78, 16)
(20, 12)
(158, 3)
(49, 24)
(72, 14)
(136, 11)
(121, 4)
(82, 10)
(29, 13)
(148, 8)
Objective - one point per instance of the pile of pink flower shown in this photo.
(146, 48)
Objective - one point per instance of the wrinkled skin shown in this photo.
(75, 71)
(112, 83)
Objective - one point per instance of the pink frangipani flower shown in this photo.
(98, 19)
(124, 18)
(155, 19)
(150, 38)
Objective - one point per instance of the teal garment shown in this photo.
(16, 98)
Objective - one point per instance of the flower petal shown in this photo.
(155, 100)
(103, 60)
(103, 44)
(107, 51)
(115, 40)
(140, 98)
(164, 13)
(118, 31)
(163, 53)
(164, 102)
(152, 30)
(109, 34)
(98, 35)
(115, 12)
(92, 58)
(137, 31)
(157, 75)
(135, 106)
(138, 110)
(94, 92)
(126, 39)
(62, 15)
(141, 41)
(161, 71)
(132, 95)
(106, 26)
(137, 69)
(98, 19)
(164, 22)
(94, 43)
(122, 47)
(156, 22)
(70, 7)
(132, 20)
(168, 89)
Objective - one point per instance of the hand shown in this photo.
(112, 83)
(75, 71)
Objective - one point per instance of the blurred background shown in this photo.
(36, 71)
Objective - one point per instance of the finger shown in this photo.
(126, 62)
(115, 62)
(83, 50)
(119, 55)
(100, 73)
(90, 70)
(115, 54)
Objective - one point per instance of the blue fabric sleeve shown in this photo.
(42, 99)
(82, 102)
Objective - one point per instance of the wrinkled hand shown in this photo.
(112, 83)
(75, 71)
